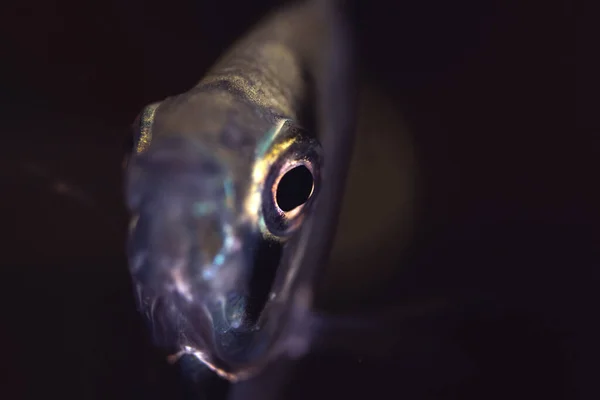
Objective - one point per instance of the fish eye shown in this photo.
(293, 188)
(292, 185)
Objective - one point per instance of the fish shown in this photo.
(234, 190)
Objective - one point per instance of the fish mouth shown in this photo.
(230, 320)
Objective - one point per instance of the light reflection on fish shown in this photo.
(234, 191)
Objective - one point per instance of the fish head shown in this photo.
(220, 196)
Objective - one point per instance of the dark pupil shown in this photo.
(294, 188)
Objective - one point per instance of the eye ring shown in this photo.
(292, 184)
(292, 188)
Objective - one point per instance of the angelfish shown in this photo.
(234, 189)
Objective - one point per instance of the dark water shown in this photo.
(509, 228)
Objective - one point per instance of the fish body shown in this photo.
(233, 190)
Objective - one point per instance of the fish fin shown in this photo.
(379, 333)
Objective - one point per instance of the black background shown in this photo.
(509, 183)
